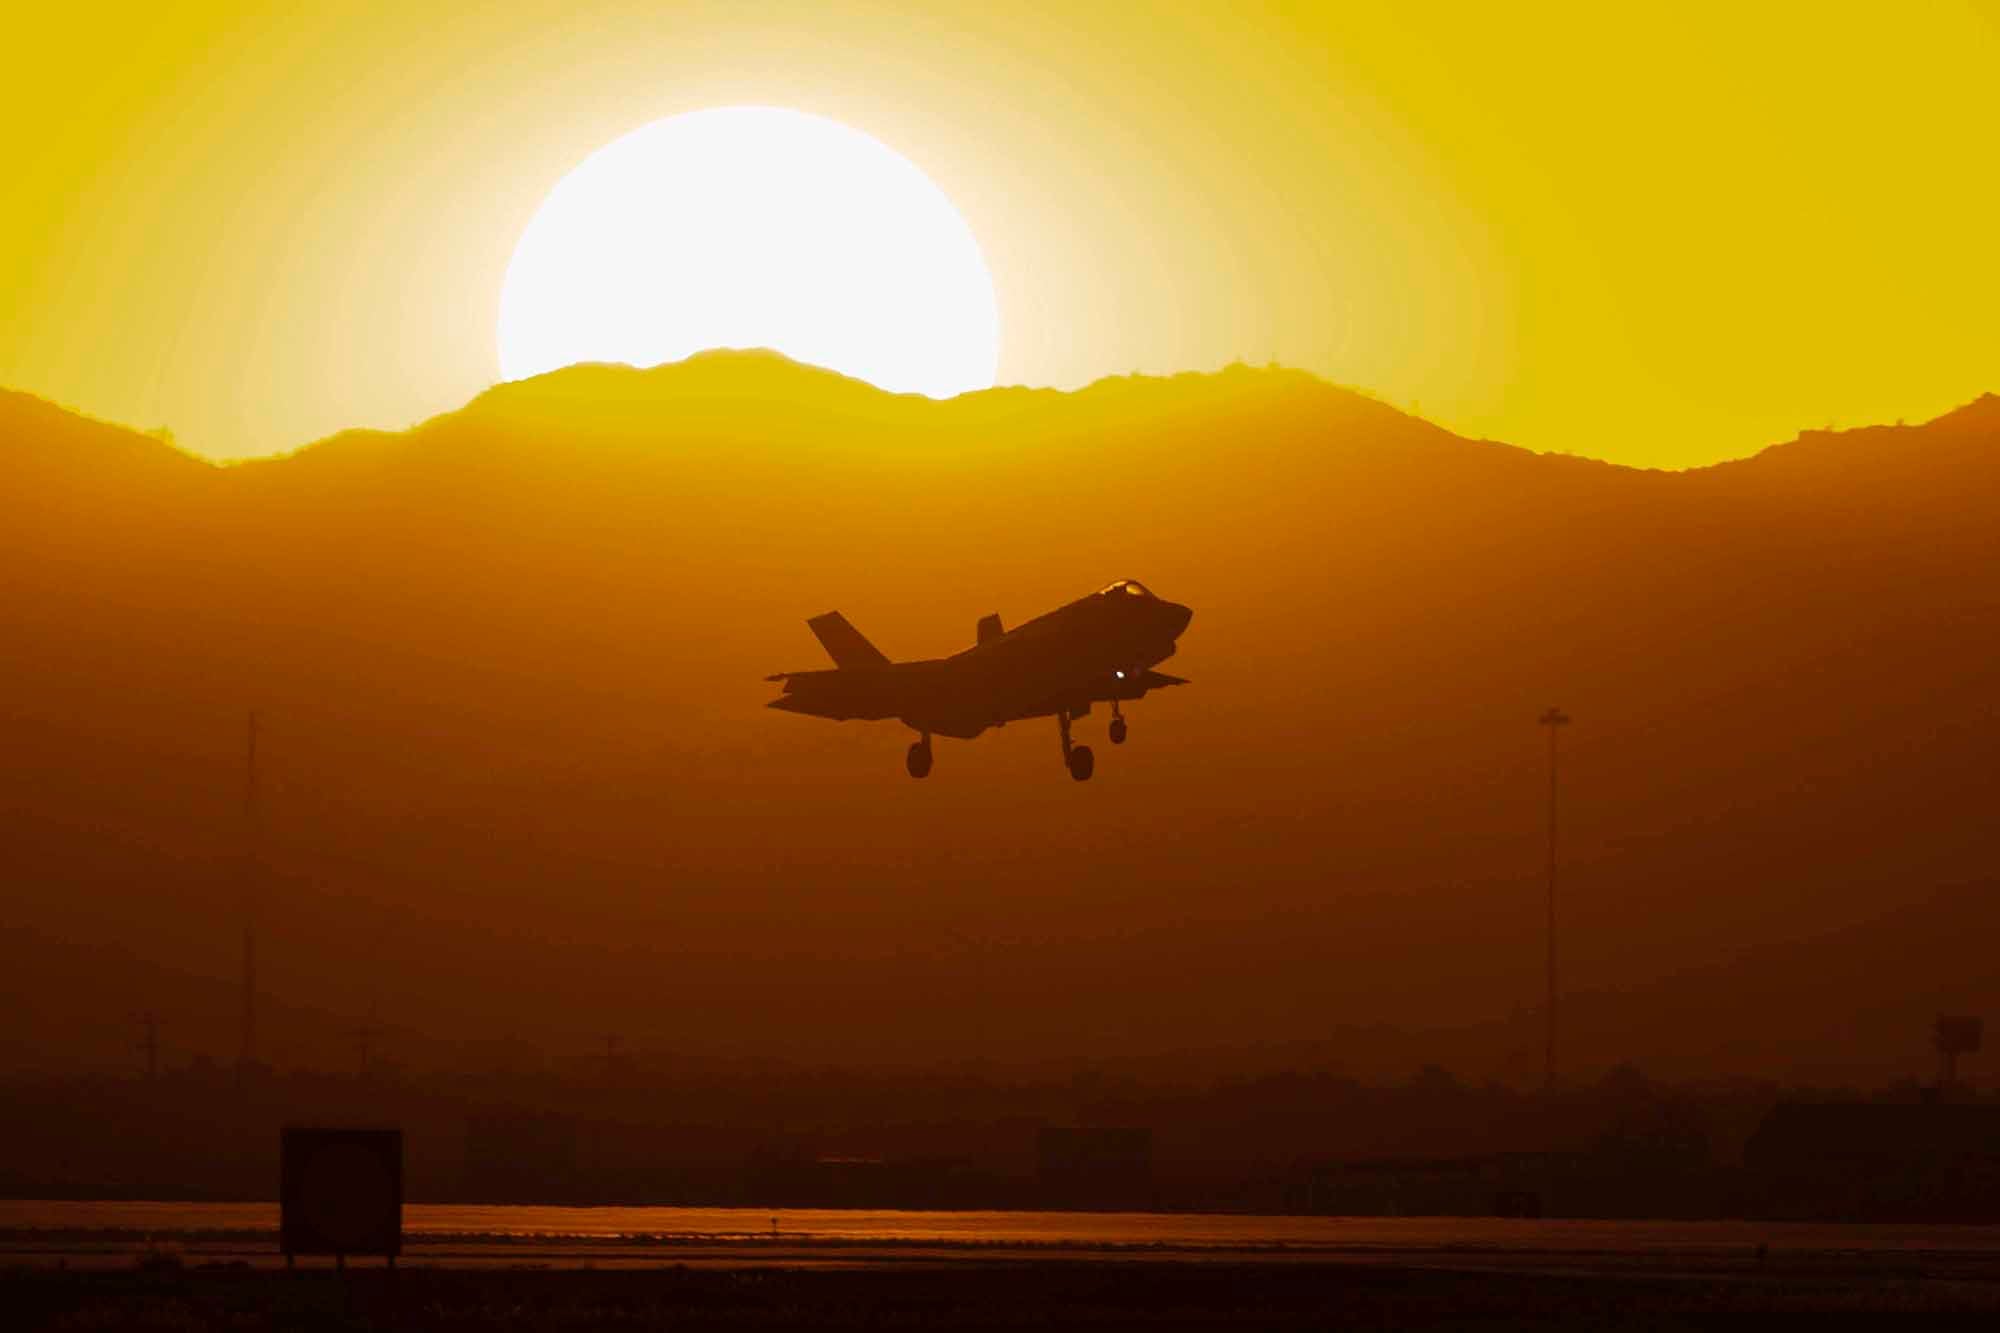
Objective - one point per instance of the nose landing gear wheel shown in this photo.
(918, 760)
(1081, 763)
(1117, 731)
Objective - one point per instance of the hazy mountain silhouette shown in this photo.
(520, 779)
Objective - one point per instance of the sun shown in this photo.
(753, 227)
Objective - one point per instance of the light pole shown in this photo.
(1554, 719)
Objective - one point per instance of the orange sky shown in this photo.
(1660, 237)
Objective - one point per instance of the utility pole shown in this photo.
(1554, 719)
(246, 1047)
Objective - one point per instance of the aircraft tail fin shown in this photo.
(843, 642)
(989, 628)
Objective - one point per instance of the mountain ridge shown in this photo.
(753, 374)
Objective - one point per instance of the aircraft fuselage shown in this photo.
(1097, 649)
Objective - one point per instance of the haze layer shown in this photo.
(520, 782)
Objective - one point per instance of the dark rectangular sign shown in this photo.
(340, 1191)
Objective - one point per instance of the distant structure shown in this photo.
(1876, 1162)
(1492, 1185)
(246, 1043)
(1953, 1037)
(512, 1154)
(1554, 719)
(1095, 1168)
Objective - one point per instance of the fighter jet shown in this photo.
(1098, 649)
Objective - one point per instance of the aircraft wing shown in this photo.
(1099, 689)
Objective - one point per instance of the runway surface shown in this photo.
(89, 1234)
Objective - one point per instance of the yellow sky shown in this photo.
(1655, 235)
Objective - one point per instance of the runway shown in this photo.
(92, 1234)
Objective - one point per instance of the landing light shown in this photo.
(1119, 674)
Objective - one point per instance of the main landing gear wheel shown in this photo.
(918, 760)
(1081, 763)
(1117, 731)
(1076, 758)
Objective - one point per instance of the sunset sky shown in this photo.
(1658, 236)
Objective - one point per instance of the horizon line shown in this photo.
(164, 434)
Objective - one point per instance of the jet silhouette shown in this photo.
(1098, 649)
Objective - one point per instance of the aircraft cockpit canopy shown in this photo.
(1129, 587)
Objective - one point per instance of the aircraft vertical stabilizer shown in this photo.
(843, 642)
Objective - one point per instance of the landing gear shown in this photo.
(1117, 728)
(1076, 758)
(918, 760)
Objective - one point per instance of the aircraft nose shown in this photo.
(1179, 616)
